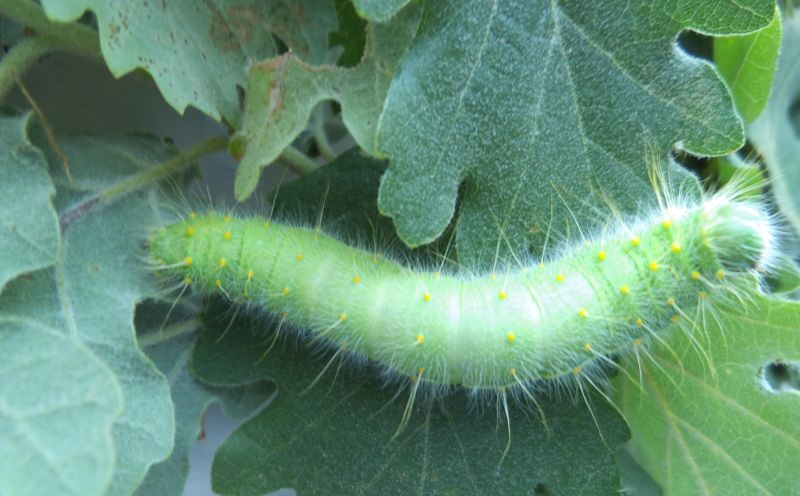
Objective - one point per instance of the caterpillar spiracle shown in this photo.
(548, 319)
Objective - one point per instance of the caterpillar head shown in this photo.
(741, 233)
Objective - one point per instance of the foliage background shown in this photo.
(103, 401)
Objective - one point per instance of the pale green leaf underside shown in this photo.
(29, 226)
(198, 52)
(57, 406)
(775, 132)
(538, 105)
(97, 279)
(748, 63)
(283, 91)
(699, 432)
(378, 10)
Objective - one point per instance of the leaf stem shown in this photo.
(69, 37)
(298, 161)
(172, 166)
(320, 136)
(180, 162)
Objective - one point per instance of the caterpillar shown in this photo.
(544, 320)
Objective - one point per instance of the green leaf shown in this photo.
(57, 405)
(197, 52)
(29, 229)
(712, 425)
(343, 426)
(546, 111)
(775, 133)
(170, 349)
(98, 276)
(283, 91)
(378, 10)
(748, 63)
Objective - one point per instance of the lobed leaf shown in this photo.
(546, 110)
(198, 52)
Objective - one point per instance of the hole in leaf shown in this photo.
(781, 377)
(696, 44)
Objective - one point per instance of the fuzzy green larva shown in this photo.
(544, 320)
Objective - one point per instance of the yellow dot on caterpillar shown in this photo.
(577, 370)
(587, 347)
(223, 263)
(187, 281)
(299, 258)
(667, 223)
(356, 280)
(420, 339)
(583, 313)
(427, 297)
(343, 317)
(250, 274)
(218, 283)
(676, 247)
(191, 231)
(654, 266)
(227, 218)
(513, 372)
(285, 291)
(637, 342)
(602, 256)
(639, 322)
(187, 261)
(702, 294)
(625, 290)
(720, 274)
(636, 241)
(695, 276)
(676, 318)
(193, 215)
(228, 235)
(511, 337)
(560, 277)
(267, 224)
(503, 295)
(671, 301)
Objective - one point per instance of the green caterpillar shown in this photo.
(547, 320)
